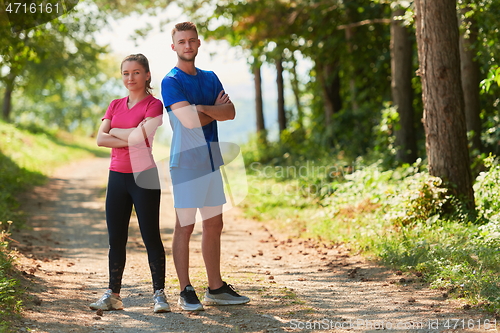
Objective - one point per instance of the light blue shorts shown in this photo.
(194, 188)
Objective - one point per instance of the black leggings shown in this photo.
(122, 193)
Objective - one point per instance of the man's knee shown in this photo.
(184, 229)
(213, 225)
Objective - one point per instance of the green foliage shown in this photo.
(10, 304)
(72, 103)
(56, 74)
(384, 134)
(52, 51)
(27, 155)
(493, 77)
(77, 80)
(13, 178)
(488, 205)
(357, 71)
(423, 200)
(352, 67)
(452, 256)
(402, 217)
(484, 14)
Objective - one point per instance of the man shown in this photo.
(195, 101)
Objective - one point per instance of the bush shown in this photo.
(9, 292)
(402, 217)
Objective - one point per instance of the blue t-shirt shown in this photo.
(195, 148)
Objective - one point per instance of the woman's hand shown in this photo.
(106, 139)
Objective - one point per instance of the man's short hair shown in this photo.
(184, 26)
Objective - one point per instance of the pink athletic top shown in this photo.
(139, 157)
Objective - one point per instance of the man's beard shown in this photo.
(188, 59)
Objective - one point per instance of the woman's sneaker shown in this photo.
(188, 300)
(225, 295)
(160, 301)
(108, 301)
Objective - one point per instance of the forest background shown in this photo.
(384, 132)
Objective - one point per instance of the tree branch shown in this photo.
(364, 22)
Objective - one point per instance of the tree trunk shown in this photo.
(352, 82)
(402, 92)
(281, 95)
(7, 97)
(327, 102)
(296, 93)
(329, 81)
(471, 79)
(259, 105)
(442, 95)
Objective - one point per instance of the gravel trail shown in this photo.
(295, 285)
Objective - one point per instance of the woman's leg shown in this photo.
(118, 210)
(147, 207)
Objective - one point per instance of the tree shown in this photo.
(281, 94)
(471, 74)
(329, 81)
(444, 116)
(346, 86)
(15, 55)
(402, 91)
(294, 81)
(259, 105)
(253, 26)
(243, 28)
(49, 52)
(74, 102)
(37, 50)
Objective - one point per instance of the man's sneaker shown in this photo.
(189, 301)
(225, 295)
(160, 301)
(108, 301)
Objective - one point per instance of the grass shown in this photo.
(402, 218)
(28, 155)
(10, 303)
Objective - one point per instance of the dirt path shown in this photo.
(295, 285)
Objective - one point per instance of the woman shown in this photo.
(128, 128)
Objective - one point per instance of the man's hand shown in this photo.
(222, 98)
(189, 116)
(223, 108)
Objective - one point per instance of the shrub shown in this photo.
(9, 293)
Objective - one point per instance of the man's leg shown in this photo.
(211, 243)
(218, 292)
(184, 225)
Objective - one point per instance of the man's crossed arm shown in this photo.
(193, 116)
